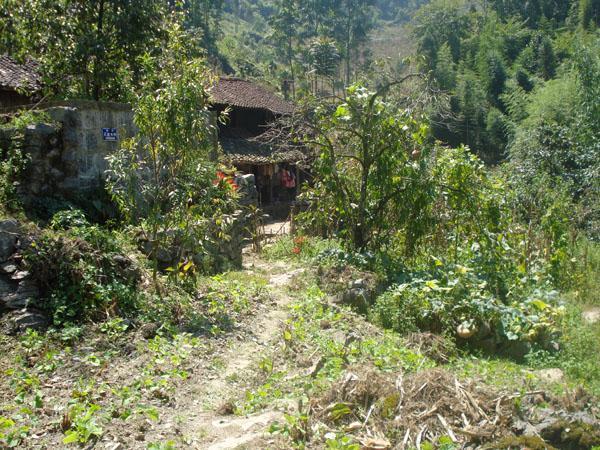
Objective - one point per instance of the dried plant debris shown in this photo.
(432, 345)
(404, 411)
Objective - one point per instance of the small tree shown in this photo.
(163, 179)
(324, 60)
(370, 177)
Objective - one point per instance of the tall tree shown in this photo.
(204, 17)
(324, 60)
(354, 20)
(589, 13)
(370, 177)
(87, 48)
(285, 22)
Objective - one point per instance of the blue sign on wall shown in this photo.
(109, 134)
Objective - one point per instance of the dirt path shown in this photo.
(198, 417)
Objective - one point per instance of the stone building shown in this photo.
(20, 84)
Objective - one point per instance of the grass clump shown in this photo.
(299, 248)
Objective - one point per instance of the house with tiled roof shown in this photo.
(20, 83)
(252, 108)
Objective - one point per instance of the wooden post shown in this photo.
(214, 151)
(271, 185)
(297, 181)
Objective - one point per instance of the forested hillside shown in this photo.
(300, 224)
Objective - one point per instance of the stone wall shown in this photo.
(68, 157)
(18, 291)
(84, 150)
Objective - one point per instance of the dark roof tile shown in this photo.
(15, 76)
(244, 151)
(248, 94)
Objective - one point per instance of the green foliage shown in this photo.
(589, 13)
(13, 159)
(162, 179)
(451, 297)
(202, 18)
(78, 273)
(371, 181)
(300, 247)
(169, 445)
(12, 163)
(578, 350)
(560, 137)
(83, 424)
(70, 218)
(88, 49)
(473, 53)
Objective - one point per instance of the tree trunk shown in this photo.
(97, 62)
(348, 43)
(291, 63)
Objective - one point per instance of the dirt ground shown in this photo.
(224, 392)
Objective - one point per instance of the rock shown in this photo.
(9, 226)
(6, 289)
(376, 444)
(517, 349)
(522, 427)
(488, 345)
(21, 320)
(339, 337)
(571, 434)
(247, 189)
(20, 275)
(26, 293)
(356, 297)
(357, 284)
(591, 315)
(550, 375)
(149, 330)
(127, 266)
(8, 242)
(8, 268)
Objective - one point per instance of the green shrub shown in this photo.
(69, 218)
(456, 296)
(81, 275)
(579, 346)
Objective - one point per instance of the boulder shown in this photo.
(9, 236)
(550, 375)
(26, 293)
(6, 288)
(8, 268)
(358, 295)
(21, 320)
(9, 226)
(247, 189)
(591, 315)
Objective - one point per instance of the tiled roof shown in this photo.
(14, 76)
(245, 151)
(249, 94)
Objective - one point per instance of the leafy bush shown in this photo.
(579, 346)
(455, 299)
(70, 218)
(13, 160)
(81, 274)
(163, 179)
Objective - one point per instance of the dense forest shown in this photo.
(435, 284)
